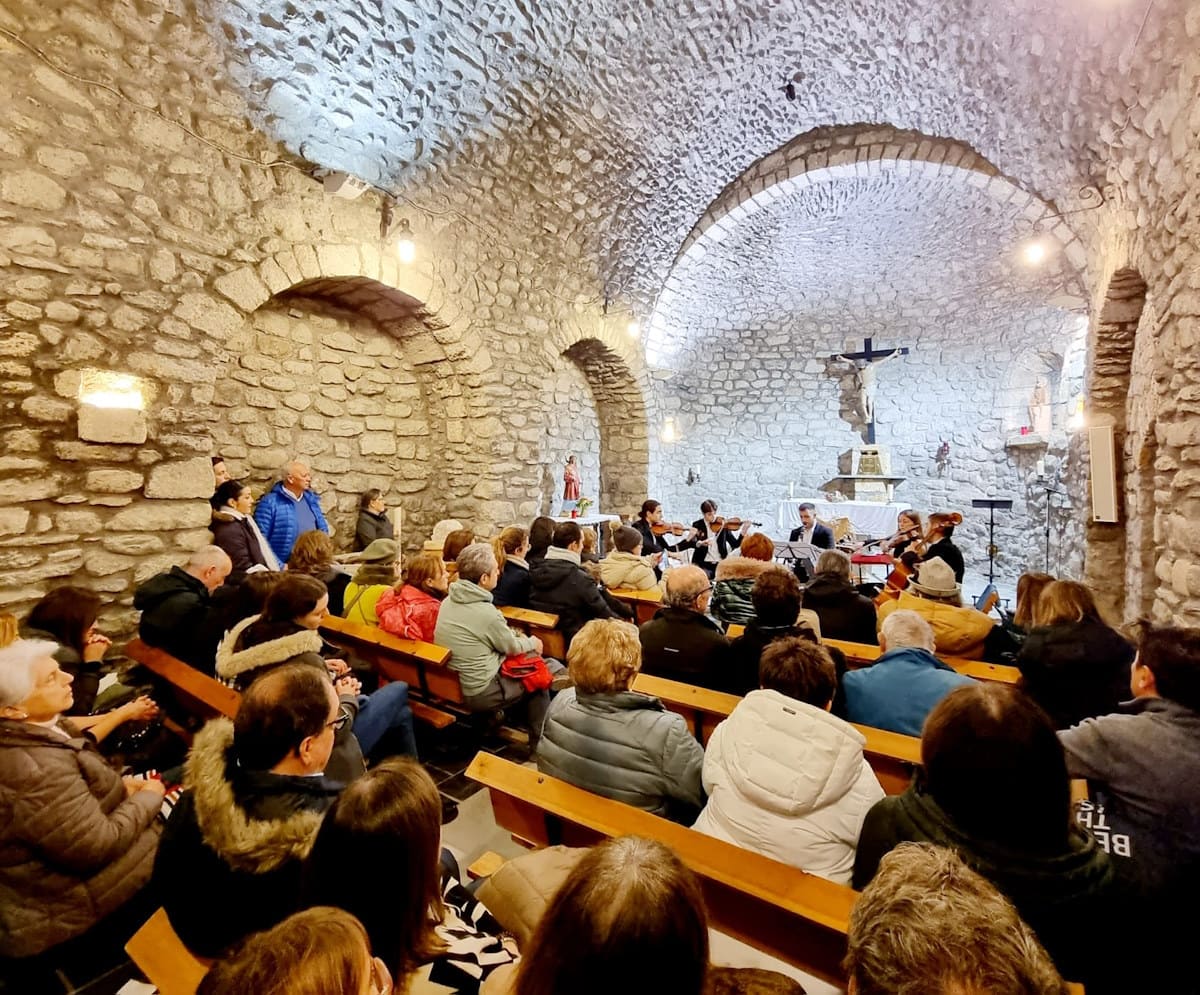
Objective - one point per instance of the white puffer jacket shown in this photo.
(789, 781)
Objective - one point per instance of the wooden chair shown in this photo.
(540, 624)
(161, 956)
(422, 666)
(892, 756)
(779, 909)
(645, 604)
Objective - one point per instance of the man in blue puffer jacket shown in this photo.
(289, 509)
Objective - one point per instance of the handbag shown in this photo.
(528, 668)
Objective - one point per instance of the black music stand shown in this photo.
(1004, 504)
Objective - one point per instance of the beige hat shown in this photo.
(443, 528)
(936, 579)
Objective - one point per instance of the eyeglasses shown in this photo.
(700, 594)
(381, 979)
(338, 723)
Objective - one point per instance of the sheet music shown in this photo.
(790, 552)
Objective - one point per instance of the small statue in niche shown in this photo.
(1039, 409)
(942, 458)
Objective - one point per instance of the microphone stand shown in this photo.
(1050, 489)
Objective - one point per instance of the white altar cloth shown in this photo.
(866, 516)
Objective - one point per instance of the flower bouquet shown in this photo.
(581, 507)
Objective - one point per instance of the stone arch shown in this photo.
(827, 155)
(444, 355)
(1109, 369)
(621, 388)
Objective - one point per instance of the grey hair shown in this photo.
(906, 629)
(286, 470)
(835, 562)
(684, 586)
(208, 556)
(476, 560)
(927, 923)
(16, 668)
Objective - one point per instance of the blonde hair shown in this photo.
(506, 543)
(604, 656)
(1029, 590)
(312, 554)
(421, 569)
(589, 540)
(1065, 601)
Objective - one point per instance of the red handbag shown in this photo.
(528, 668)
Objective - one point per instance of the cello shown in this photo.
(906, 566)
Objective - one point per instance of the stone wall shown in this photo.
(572, 426)
(327, 385)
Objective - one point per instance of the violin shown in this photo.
(670, 529)
(906, 566)
(732, 524)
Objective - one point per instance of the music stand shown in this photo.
(793, 552)
(1004, 504)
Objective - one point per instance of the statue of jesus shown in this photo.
(865, 374)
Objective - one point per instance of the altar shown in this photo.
(868, 517)
(583, 521)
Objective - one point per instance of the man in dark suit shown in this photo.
(810, 531)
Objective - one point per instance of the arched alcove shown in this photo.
(1109, 567)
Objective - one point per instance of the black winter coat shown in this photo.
(514, 586)
(371, 527)
(1076, 670)
(746, 651)
(236, 536)
(844, 613)
(949, 554)
(565, 589)
(181, 617)
(683, 645)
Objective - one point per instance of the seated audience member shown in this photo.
(995, 790)
(320, 951)
(289, 509)
(67, 615)
(936, 596)
(900, 689)
(928, 923)
(636, 923)
(618, 743)
(1072, 663)
(625, 568)
(314, 555)
(455, 543)
(286, 632)
(77, 840)
(559, 585)
(1006, 639)
(681, 642)
(373, 522)
(776, 600)
(248, 598)
(756, 798)
(844, 613)
(1142, 765)
(232, 853)
(735, 578)
(421, 921)
(541, 532)
(236, 531)
(181, 612)
(378, 571)
(437, 540)
(479, 640)
(511, 547)
(587, 553)
(411, 609)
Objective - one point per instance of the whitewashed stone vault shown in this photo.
(550, 157)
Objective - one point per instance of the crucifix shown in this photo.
(865, 363)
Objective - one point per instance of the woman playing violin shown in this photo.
(649, 523)
(909, 529)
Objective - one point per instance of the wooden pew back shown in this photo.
(981, 671)
(540, 624)
(196, 692)
(161, 956)
(797, 917)
(645, 604)
(892, 756)
(423, 666)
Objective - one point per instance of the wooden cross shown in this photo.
(864, 377)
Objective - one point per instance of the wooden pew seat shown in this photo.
(779, 909)
(161, 956)
(540, 624)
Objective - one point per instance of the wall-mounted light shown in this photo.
(669, 433)
(633, 329)
(401, 235)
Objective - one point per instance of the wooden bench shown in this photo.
(540, 624)
(196, 692)
(891, 755)
(978, 669)
(781, 910)
(161, 956)
(645, 604)
(422, 666)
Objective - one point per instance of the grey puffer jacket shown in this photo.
(73, 848)
(624, 746)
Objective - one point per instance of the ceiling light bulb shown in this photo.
(406, 248)
(634, 329)
(1034, 252)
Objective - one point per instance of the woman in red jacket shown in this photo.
(411, 610)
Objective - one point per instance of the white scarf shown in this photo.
(263, 545)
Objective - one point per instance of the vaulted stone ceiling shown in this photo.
(607, 127)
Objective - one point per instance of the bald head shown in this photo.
(297, 477)
(687, 587)
(210, 565)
